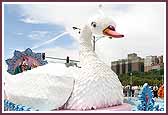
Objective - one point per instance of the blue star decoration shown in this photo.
(146, 99)
(10, 106)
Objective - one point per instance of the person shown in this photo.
(124, 92)
(161, 91)
(133, 91)
(25, 66)
(33, 66)
(67, 59)
(18, 69)
(67, 62)
(155, 90)
(43, 56)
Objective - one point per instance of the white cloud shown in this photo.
(19, 33)
(37, 35)
(49, 41)
(32, 21)
(142, 25)
(60, 52)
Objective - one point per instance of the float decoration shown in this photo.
(31, 58)
(9, 106)
(161, 91)
(146, 100)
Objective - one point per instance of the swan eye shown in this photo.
(93, 24)
(111, 27)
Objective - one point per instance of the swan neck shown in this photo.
(85, 44)
(86, 37)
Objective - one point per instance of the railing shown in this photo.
(62, 59)
(68, 62)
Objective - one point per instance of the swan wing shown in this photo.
(39, 89)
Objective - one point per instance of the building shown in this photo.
(133, 63)
(153, 62)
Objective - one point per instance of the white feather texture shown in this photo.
(44, 88)
(97, 86)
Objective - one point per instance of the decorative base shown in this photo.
(123, 107)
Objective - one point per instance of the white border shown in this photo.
(164, 56)
(84, 2)
(2, 57)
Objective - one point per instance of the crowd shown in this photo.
(133, 91)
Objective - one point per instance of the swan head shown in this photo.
(104, 26)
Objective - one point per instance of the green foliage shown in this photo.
(153, 77)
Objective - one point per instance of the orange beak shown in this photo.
(112, 33)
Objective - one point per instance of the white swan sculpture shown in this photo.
(97, 86)
(93, 86)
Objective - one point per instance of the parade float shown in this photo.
(94, 86)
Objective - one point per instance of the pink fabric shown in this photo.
(123, 107)
(30, 60)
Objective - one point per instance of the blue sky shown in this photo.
(29, 25)
(20, 35)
